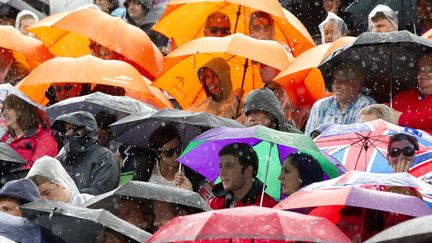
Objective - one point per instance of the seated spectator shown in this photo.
(261, 26)
(299, 170)
(239, 186)
(16, 193)
(376, 111)
(27, 132)
(413, 108)
(332, 28)
(111, 7)
(165, 212)
(217, 25)
(336, 7)
(401, 151)
(54, 183)
(424, 10)
(263, 108)
(24, 19)
(346, 102)
(382, 19)
(137, 212)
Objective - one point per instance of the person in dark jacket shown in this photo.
(93, 168)
(263, 108)
(239, 186)
(16, 193)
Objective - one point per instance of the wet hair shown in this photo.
(379, 16)
(308, 167)
(244, 153)
(260, 14)
(28, 116)
(402, 136)
(163, 135)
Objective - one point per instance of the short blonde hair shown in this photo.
(383, 112)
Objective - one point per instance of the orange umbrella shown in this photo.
(179, 76)
(25, 50)
(428, 34)
(302, 80)
(89, 69)
(178, 24)
(69, 34)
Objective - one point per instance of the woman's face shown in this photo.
(289, 178)
(212, 81)
(10, 117)
(169, 152)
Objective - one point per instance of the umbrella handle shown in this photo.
(266, 174)
(245, 67)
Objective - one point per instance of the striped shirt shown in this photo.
(326, 110)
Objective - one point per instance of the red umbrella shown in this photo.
(247, 224)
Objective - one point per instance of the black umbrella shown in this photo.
(145, 190)
(78, 224)
(406, 9)
(136, 129)
(414, 230)
(389, 60)
(120, 106)
(9, 159)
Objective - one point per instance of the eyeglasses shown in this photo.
(170, 151)
(222, 30)
(259, 28)
(407, 151)
(67, 87)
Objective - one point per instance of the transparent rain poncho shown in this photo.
(332, 28)
(53, 170)
(388, 13)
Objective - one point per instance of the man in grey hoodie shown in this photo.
(93, 168)
(263, 108)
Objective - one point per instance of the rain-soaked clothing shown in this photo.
(416, 109)
(228, 105)
(33, 144)
(52, 169)
(326, 110)
(388, 13)
(224, 199)
(340, 26)
(93, 168)
(265, 100)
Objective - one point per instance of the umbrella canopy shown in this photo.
(363, 146)
(7, 89)
(89, 69)
(249, 223)
(356, 197)
(26, 50)
(9, 159)
(137, 128)
(389, 60)
(177, 23)
(145, 190)
(422, 164)
(18, 229)
(272, 148)
(406, 12)
(179, 76)
(302, 80)
(414, 230)
(120, 106)
(78, 224)
(69, 34)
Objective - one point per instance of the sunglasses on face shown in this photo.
(407, 151)
(222, 30)
(67, 87)
(170, 152)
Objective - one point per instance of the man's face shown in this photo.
(131, 212)
(424, 75)
(136, 10)
(382, 25)
(212, 81)
(424, 9)
(331, 32)
(268, 73)
(257, 117)
(51, 191)
(218, 26)
(10, 206)
(331, 5)
(163, 213)
(261, 29)
(346, 87)
(67, 90)
(231, 173)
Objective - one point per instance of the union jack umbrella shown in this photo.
(422, 165)
(363, 146)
